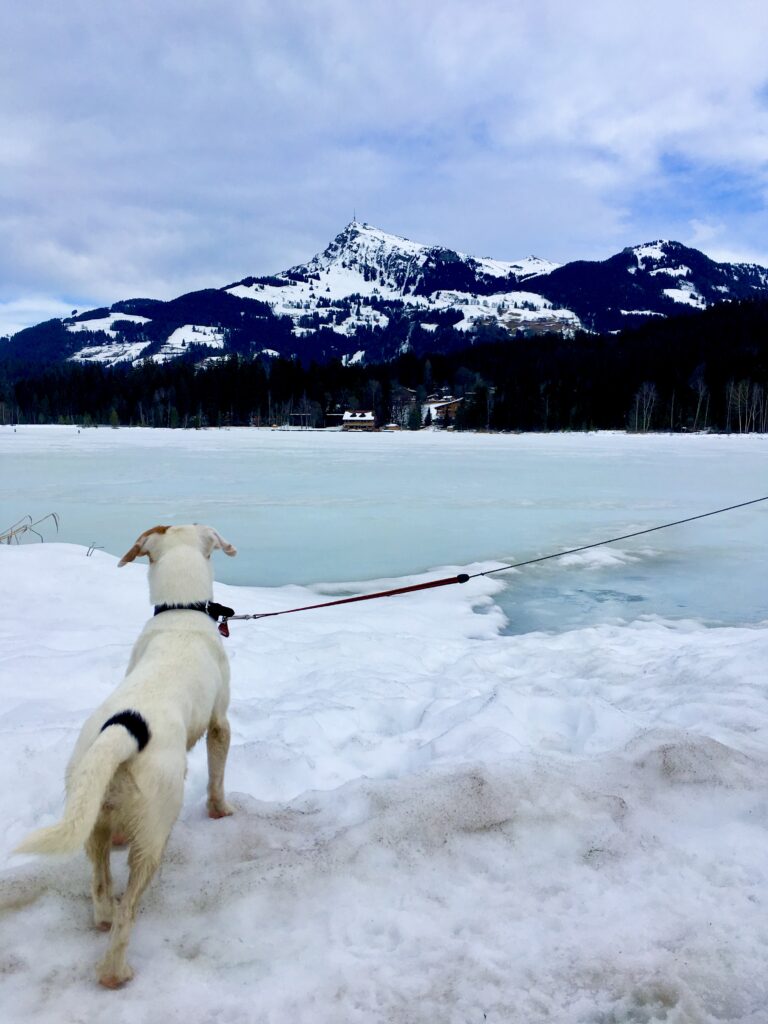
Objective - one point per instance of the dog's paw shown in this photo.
(115, 979)
(103, 914)
(219, 809)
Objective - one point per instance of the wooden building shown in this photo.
(358, 419)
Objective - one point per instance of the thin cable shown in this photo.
(614, 540)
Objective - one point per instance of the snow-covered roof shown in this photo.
(358, 416)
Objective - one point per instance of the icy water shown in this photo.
(314, 507)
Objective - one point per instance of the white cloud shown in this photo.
(28, 310)
(713, 238)
(154, 148)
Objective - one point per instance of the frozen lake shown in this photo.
(317, 507)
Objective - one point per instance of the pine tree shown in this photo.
(414, 417)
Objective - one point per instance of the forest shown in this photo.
(698, 371)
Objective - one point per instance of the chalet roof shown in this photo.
(443, 402)
(358, 416)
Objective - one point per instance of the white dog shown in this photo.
(126, 775)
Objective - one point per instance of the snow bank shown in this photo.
(436, 822)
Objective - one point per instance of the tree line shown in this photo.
(700, 371)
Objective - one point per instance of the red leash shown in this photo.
(446, 582)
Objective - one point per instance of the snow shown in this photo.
(189, 334)
(686, 294)
(300, 299)
(530, 266)
(437, 819)
(671, 271)
(193, 334)
(362, 238)
(337, 274)
(512, 309)
(121, 351)
(650, 251)
(105, 323)
(118, 352)
(639, 312)
(356, 357)
(362, 318)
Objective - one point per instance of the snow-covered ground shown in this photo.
(109, 354)
(121, 351)
(189, 334)
(105, 323)
(437, 820)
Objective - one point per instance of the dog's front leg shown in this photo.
(217, 742)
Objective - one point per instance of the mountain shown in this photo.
(370, 296)
(656, 279)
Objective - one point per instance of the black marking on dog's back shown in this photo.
(134, 723)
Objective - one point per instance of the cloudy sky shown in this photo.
(149, 148)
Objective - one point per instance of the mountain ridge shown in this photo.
(370, 295)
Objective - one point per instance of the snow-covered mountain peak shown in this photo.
(362, 251)
(405, 267)
(358, 237)
(360, 243)
(530, 266)
(661, 251)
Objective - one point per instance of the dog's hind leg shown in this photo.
(98, 849)
(217, 742)
(151, 826)
(113, 969)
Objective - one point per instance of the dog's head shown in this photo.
(158, 540)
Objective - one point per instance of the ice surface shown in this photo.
(312, 507)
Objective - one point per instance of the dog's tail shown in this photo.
(87, 785)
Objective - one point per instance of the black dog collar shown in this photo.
(211, 608)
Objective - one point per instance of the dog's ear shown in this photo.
(129, 556)
(213, 540)
(144, 545)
